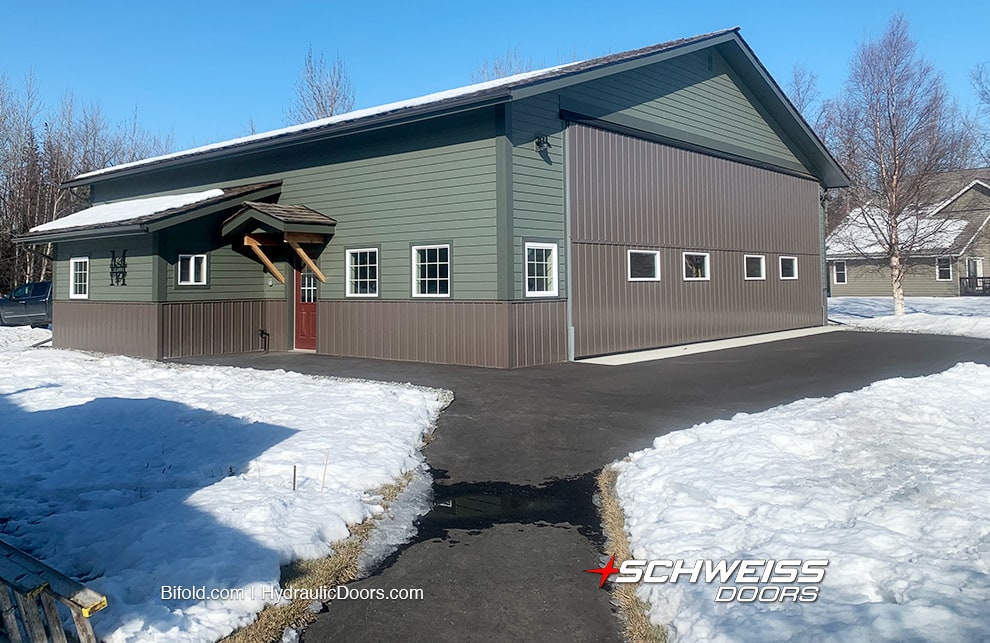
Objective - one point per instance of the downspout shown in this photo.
(569, 258)
(823, 262)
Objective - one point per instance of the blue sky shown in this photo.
(204, 70)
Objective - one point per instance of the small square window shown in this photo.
(839, 270)
(541, 269)
(696, 266)
(362, 272)
(644, 265)
(79, 275)
(755, 267)
(788, 268)
(943, 269)
(192, 270)
(431, 271)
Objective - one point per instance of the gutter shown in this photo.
(73, 235)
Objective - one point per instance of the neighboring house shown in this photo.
(951, 260)
(660, 196)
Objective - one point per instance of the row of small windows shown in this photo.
(644, 265)
(191, 272)
(431, 270)
(943, 270)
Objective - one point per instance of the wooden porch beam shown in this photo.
(255, 246)
(263, 239)
(306, 260)
(305, 237)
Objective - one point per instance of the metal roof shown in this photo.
(730, 44)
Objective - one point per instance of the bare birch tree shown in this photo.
(895, 128)
(323, 90)
(39, 150)
(981, 83)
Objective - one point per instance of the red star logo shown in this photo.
(605, 571)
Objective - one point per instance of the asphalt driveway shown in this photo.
(514, 458)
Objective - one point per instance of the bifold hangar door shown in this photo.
(666, 245)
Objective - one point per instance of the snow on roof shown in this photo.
(344, 118)
(926, 234)
(437, 97)
(126, 210)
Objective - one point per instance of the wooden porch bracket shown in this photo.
(255, 245)
(306, 260)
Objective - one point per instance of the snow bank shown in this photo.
(965, 316)
(134, 475)
(889, 483)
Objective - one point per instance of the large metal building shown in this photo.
(656, 197)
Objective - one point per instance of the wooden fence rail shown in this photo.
(31, 582)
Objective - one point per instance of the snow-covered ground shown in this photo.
(133, 475)
(967, 316)
(890, 484)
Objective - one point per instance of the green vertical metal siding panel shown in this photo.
(685, 95)
(139, 268)
(537, 184)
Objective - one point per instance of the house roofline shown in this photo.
(824, 164)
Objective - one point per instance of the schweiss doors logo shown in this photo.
(746, 581)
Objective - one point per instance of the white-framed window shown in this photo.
(696, 266)
(644, 265)
(431, 271)
(839, 272)
(788, 268)
(754, 267)
(79, 278)
(541, 269)
(943, 269)
(191, 270)
(362, 272)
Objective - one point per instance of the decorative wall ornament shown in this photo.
(118, 268)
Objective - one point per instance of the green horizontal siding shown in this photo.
(139, 268)
(691, 101)
(538, 204)
(423, 183)
(231, 274)
(864, 279)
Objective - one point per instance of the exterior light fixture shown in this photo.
(542, 144)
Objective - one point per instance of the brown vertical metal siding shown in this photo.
(627, 190)
(628, 193)
(119, 328)
(537, 332)
(492, 334)
(197, 328)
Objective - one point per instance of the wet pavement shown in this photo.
(501, 556)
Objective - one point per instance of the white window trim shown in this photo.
(708, 266)
(656, 264)
(415, 272)
(763, 267)
(554, 275)
(192, 271)
(72, 277)
(950, 269)
(835, 273)
(780, 268)
(378, 271)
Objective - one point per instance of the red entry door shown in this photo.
(305, 309)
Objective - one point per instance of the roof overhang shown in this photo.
(730, 45)
(252, 213)
(231, 197)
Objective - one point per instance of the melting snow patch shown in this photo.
(889, 483)
(169, 488)
(964, 316)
